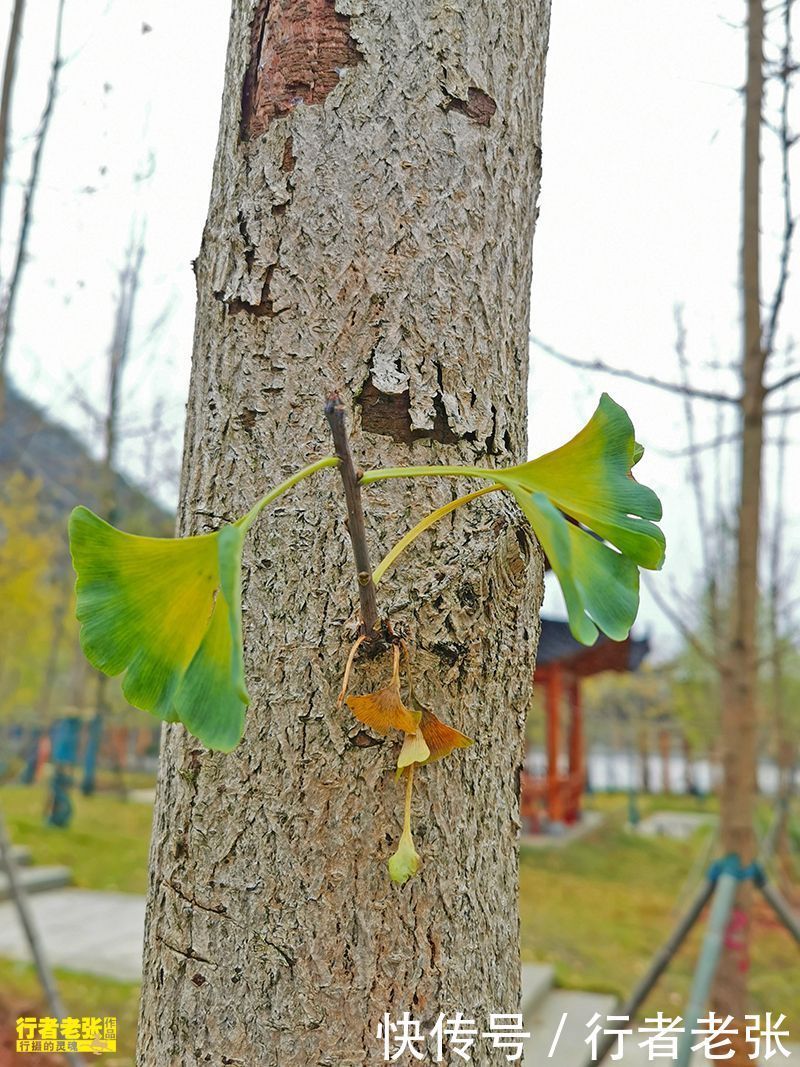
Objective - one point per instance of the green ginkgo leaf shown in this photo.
(600, 585)
(589, 479)
(167, 612)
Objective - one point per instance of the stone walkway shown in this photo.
(82, 930)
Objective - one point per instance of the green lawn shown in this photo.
(597, 909)
(600, 908)
(105, 846)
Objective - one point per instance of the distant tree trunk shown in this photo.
(689, 779)
(740, 676)
(644, 758)
(665, 747)
(369, 229)
(8, 299)
(6, 95)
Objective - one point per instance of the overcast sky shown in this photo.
(639, 211)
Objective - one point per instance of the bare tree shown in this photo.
(9, 77)
(118, 355)
(735, 652)
(8, 299)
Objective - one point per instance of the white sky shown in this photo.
(639, 211)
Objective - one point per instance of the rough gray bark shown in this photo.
(370, 229)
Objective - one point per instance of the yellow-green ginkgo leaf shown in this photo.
(589, 478)
(167, 612)
(600, 585)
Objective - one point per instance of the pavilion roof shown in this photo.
(558, 646)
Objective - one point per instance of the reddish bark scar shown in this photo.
(478, 106)
(297, 51)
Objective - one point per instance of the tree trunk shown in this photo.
(740, 677)
(644, 759)
(6, 96)
(369, 230)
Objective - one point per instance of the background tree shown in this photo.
(369, 229)
(736, 653)
(10, 292)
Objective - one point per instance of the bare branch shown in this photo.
(792, 409)
(782, 383)
(370, 620)
(695, 471)
(7, 312)
(786, 70)
(645, 379)
(680, 625)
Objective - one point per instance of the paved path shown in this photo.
(82, 930)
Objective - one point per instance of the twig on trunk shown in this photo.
(370, 620)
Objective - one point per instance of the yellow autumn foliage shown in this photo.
(27, 590)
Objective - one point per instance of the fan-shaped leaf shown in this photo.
(167, 612)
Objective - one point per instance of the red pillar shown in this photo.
(555, 808)
(576, 759)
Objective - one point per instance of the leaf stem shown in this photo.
(247, 520)
(409, 788)
(423, 525)
(423, 472)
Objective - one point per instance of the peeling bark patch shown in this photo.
(247, 418)
(265, 306)
(389, 414)
(364, 740)
(297, 51)
(478, 106)
(289, 159)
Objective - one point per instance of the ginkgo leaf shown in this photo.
(414, 750)
(440, 738)
(384, 710)
(599, 584)
(589, 478)
(167, 612)
(404, 864)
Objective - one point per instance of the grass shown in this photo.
(599, 909)
(83, 994)
(105, 846)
